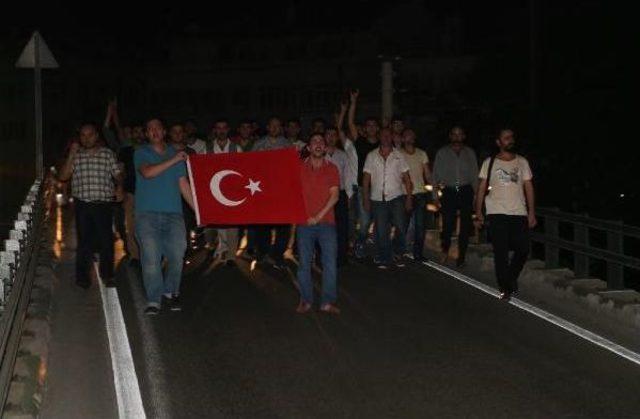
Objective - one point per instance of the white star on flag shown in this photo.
(253, 186)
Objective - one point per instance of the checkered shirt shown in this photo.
(93, 175)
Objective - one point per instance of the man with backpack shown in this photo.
(506, 190)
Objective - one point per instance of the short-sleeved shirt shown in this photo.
(93, 175)
(265, 144)
(507, 191)
(416, 162)
(339, 158)
(363, 148)
(316, 185)
(386, 175)
(161, 193)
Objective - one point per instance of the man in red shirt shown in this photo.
(320, 188)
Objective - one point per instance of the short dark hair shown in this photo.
(320, 120)
(91, 124)
(502, 128)
(220, 120)
(395, 118)
(245, 121)
(317, 134)
(293, 121)
(155, 118)
(372, 118)
(331, 128)
(175, 124)
(274, 117)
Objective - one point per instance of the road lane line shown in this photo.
(124, 373)
(544, 315)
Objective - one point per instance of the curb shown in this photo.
(591, 294)
(30, 370)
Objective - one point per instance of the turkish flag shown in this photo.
(261, 187)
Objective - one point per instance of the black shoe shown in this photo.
(173, 303)
(505, 295)
(460, 262)
(83, 284)
(152, 311)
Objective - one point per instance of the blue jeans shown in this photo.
(161, 234)
(325, 236)
(386, 214)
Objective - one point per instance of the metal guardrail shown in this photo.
(613, 255)
(18, 260)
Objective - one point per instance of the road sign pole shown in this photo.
(38, 107)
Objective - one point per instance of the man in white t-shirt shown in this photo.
(419, 172)
(506, 189)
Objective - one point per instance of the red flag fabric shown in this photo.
(247, 188)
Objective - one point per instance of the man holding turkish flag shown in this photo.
(247, 188)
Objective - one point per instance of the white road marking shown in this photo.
(124, 373)
(538, 312)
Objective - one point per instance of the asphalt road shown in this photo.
(410, 343)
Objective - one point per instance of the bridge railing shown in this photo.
(611, 249)
(18, 259)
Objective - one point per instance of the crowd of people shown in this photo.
(355, 177)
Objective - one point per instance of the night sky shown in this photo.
(580, 46)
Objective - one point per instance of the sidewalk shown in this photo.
(80, 378)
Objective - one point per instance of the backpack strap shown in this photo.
(485, 192)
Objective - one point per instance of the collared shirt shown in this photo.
(316, 187)
(339, 158)
(452, 169)
(416, 161)
(363, 147)
(386, 174)
(199, 146)
(265, 144)
(160, 193)
(226, 148)
(93, 175)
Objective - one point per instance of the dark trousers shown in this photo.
(94, 222)
(509, 232)
(119, 223)
(454, 200)
(419, 215)
(341, 211)
(263, 241)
